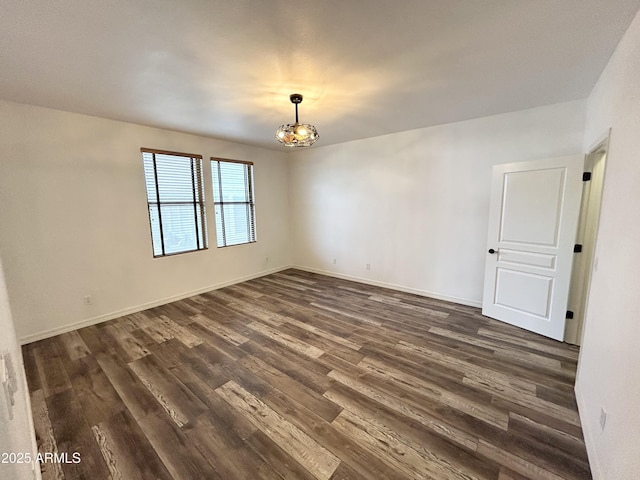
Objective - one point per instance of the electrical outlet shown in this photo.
(368, 266)
(603, 418)
(266, 259)
(334, 261)
(87, 300)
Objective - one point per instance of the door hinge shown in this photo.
(586, 176)
(577, 248)
(569, 314)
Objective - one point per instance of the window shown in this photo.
(176, 201)
(233, 200)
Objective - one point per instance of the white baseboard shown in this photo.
(393, 286)
(587, 433)
(34, 337)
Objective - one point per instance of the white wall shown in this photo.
(74, 221)
(608, 372)
(17, 433)
(414, 205)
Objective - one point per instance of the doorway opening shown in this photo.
(584, 262)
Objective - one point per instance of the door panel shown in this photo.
(537, 289)
(532, 204)
(532, 226)
(525, 259)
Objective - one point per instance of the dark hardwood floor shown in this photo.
(301, 376)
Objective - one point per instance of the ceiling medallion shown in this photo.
(297, 134)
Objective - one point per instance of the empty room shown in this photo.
(320, 240)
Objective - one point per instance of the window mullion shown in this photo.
(195, 210)
(224, 233)
(251, 213)
(246, 193)
(155, 175)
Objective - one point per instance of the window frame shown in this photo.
(197, 186)
(250, 187)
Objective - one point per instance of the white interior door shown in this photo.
(532, 228)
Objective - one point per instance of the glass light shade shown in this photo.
(297, 135)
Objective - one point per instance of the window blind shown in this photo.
(233, 198)
(175, 197)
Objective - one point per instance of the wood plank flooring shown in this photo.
(301, 376)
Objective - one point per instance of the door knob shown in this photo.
(492, 251)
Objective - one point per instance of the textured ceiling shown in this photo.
(225, 69)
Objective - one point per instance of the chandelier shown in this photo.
(297, 134)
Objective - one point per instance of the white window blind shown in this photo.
(233, 198)
(175, 197)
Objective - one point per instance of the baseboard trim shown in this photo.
(587, 433)
(393, 286)
(34, 337)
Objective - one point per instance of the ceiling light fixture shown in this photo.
(297, 134)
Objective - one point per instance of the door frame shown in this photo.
(582, 272)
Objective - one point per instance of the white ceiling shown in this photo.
(226, 68)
